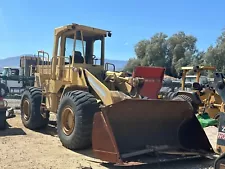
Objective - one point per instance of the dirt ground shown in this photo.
(23, 148)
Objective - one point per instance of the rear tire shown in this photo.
(30, 109)
(78, 107)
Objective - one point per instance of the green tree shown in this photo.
(156, 50)
(140, 48)
(161, 50)
(215, 56)
(181, 49)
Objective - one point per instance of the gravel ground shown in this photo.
(23, 148)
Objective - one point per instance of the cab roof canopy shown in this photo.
(86, 30)
(199, 67)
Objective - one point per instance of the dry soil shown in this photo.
(23, 148)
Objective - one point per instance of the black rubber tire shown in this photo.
(84, 105)
(5, 88)
(218, 162)
(2, 120)
(185, 98)
(194, 106)
(35, 120)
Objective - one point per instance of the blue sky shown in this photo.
(27, 25)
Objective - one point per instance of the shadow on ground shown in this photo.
(51, 129)
(11, 131)
(195, 163)
(198, 163)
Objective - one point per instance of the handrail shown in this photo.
(43, 59)
(106, 66)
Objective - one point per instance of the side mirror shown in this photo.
(180, 74)
(109, 34)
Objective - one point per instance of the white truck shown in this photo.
(16, 79)
(10, 77)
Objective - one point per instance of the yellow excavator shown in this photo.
(103, 108)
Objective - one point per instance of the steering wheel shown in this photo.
(94, 57)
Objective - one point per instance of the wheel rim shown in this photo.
(26, 109)
(68, 120)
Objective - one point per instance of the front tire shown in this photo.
(219, 161)
(31, 114)
(75, 119)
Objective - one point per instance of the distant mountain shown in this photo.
(15, 62)
(10, 62)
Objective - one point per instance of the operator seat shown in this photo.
(78, 58)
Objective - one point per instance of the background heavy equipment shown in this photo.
(211, 100)
(16, 79)
(185, 82)
(208, 107)
(198, 77)
(104, 108)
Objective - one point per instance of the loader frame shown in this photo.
(65, 79)
(56, 77)
(60, 76)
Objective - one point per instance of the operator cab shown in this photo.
(82, 45)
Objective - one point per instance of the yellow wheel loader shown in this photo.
(103, 108)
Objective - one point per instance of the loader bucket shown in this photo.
(124, 131)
